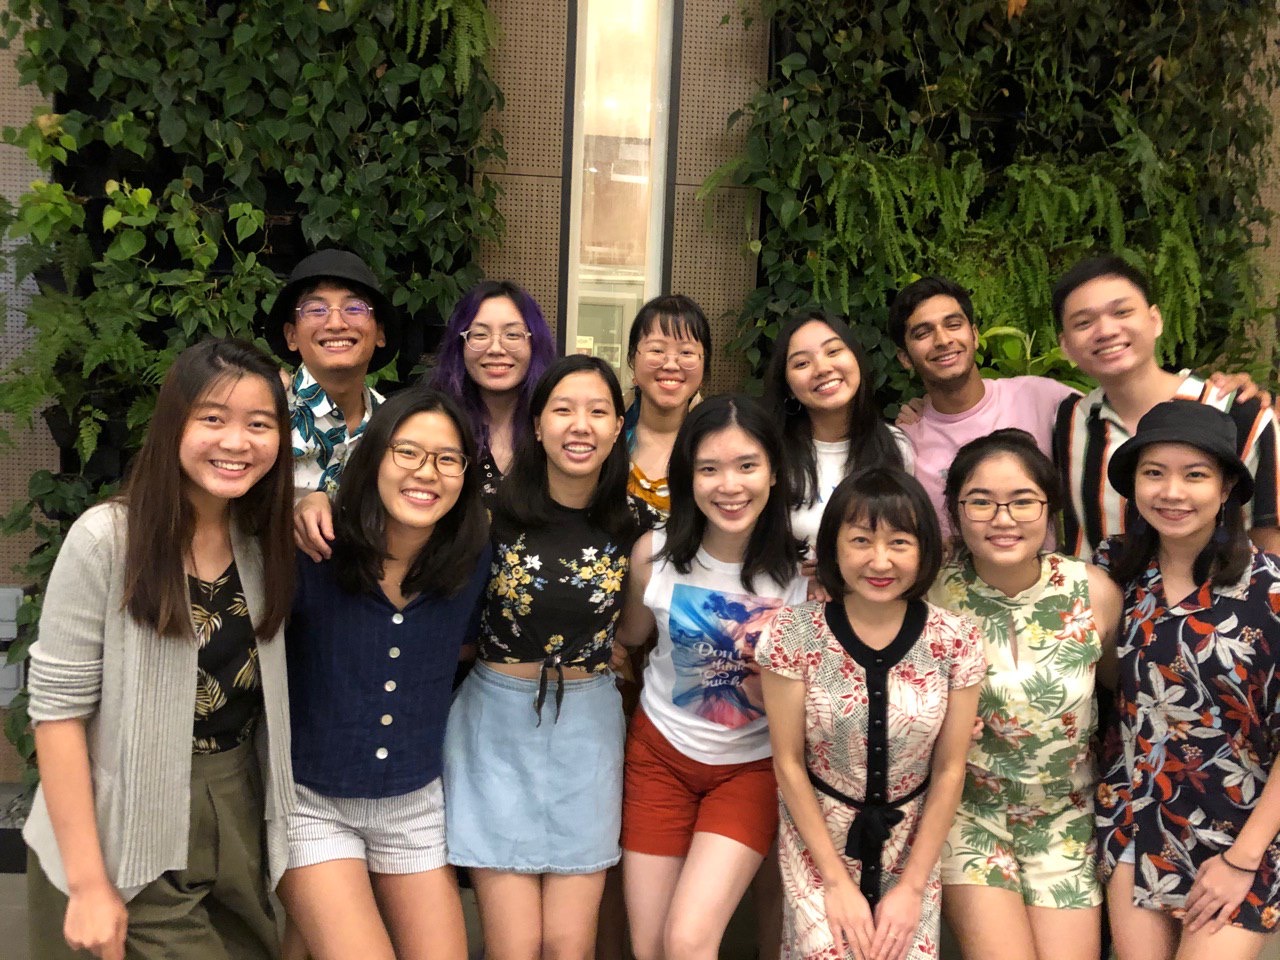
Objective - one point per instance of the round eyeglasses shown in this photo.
(410, 456)
(481, 339)
(1022, 510)
(656, 357)
(317, 311)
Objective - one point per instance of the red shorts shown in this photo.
(667, 797)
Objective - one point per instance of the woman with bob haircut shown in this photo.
(871, 699)
(533, 751)
(816, 385)
(158, 684)
(495, 349)
(669, 353)
(700, 807)
(1188, 811)
(373, 641)
(1019, 873)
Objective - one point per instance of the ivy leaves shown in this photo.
(997, 144)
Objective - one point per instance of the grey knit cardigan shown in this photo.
(136, 692)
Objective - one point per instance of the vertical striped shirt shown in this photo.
(1088, 431)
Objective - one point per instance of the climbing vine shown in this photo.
(192, 153)
(997, 143)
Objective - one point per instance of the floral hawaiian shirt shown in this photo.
(321, 443)
(1199, 732)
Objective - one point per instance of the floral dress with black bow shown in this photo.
(871, 719)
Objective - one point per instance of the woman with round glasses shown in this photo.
(495, 348)
(1018, 868)
(669, 353)
(373, 640)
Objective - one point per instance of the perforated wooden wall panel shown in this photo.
(722, 65)
(530, 251)
(33, 449)
(529, 67)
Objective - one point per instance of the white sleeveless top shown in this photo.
(702, 686)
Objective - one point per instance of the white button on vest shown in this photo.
(397, 618)
(393, 652)
(386, 719)
(381, 753)
(389, 686)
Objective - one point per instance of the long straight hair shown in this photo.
(446, 561)
(450, 375)
(871, 443)
(525, 496)
(161, 519)
(771, 549)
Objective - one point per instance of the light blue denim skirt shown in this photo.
(527, 798)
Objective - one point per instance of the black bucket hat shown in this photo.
(345, 268)
(1196, 424)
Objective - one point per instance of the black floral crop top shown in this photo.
(554, 593)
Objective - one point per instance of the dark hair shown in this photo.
(525, 497)
(1092, 269)
(913, 294)
(1222, 561)
(447, 560)
(450, 374)
(871, 443)
(674, 315)
(1012, 442)
(771, 549)
(161, 520)
(874, 496)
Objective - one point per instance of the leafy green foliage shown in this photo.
(897, 139)
(195, 151)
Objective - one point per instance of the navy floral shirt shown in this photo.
(321, 443)
(1198, 734)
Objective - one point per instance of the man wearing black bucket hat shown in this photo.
(333, 320)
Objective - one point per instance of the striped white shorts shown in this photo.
(403, 834)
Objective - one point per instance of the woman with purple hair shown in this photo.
(495, 348)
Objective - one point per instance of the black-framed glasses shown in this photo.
(1022, 510)
(317, 311)
(481, 339)
(655, 357)
(410, 456)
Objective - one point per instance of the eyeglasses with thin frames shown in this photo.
(656, 357)
(1022, 510)
(317, 311)
(410, 456)
(481, 339)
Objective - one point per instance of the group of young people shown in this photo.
(823, 606)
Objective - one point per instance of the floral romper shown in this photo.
(1199, 731)
(871, 719)
(1025, 822)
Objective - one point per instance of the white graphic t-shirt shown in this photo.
(702, 685)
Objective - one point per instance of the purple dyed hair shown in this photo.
(450, 375)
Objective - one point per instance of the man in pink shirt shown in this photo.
(931, 323)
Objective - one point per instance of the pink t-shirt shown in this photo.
(1028, 403)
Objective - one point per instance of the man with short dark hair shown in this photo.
(931, 323)
(1108, 327)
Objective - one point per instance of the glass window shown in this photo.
(619, 171)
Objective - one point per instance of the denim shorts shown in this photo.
(523, 797)
(403, 834)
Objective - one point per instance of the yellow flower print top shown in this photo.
(553, 591)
